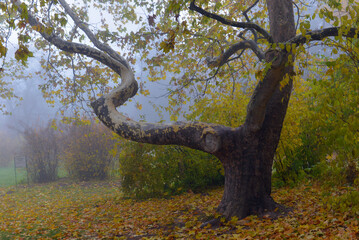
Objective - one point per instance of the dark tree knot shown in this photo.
(274, 56)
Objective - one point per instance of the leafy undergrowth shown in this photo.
(96, 211)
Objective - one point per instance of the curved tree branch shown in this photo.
(196, 135)
(71, 47)
(246, 44)
(318, 35)
(248, 25)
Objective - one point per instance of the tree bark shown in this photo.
(248, 166)
(246, 190)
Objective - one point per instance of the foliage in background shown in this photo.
(324, 118)
(41, 148)
(87, 150)
(154, 171)
(9, 145)
(291, 157)
(225, 105)
(334, 118)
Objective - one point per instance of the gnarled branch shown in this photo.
(71, 47)
(196, 135)
(318, 35)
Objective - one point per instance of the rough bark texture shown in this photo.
(248, 167)
(246, 152)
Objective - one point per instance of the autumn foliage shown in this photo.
(87, 150)
(320, 137)
(42, 148)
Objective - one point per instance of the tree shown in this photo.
(87, 150)
(246, 151)
(41, 147)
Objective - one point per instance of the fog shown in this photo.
(33, 110)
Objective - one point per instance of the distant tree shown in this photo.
(42, 150)
(186, 41)
(87, 150)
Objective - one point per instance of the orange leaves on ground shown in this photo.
(96, 211)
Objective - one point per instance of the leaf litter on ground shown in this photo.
(97, 210)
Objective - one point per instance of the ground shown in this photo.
(96, 210)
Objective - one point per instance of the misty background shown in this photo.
(33, 111)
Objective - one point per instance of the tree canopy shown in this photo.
(171, 39)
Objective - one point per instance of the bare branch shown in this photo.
(248, 9)
(245, 14)
(246, 44)
(91, 36)
(298, 14)
(249, 25)
(318, 35)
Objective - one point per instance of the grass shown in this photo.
(7, 176)
(96, 210)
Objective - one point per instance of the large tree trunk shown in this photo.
(248, 166)
(246, 188)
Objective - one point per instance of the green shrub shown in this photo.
(338, 170)
(346, 202)
(156, 171)
(329, 126)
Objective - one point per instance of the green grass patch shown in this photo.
(7, 176)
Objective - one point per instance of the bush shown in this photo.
(294, 163)
(87, 151)
(344, 201)
(42, 149)
(329, 124)
(156, 171)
